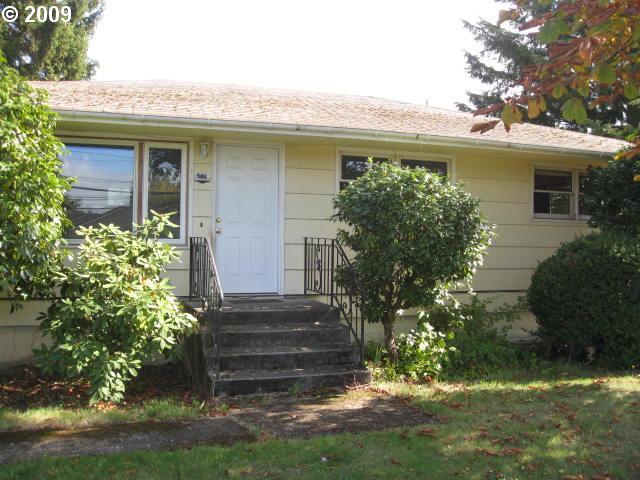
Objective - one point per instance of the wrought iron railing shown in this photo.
(328, 272)
(204, 285)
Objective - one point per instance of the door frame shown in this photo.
(281, 199)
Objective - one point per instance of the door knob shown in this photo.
(218, 230)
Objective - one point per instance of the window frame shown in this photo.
(574, 215)
(184, 185)
(396, 157)
(109, 142)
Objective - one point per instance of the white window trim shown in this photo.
(106, 143)
(575, 215)
(183, 186)
(396, 157)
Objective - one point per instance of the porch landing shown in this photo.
(275, 344)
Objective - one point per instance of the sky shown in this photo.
(407, 50)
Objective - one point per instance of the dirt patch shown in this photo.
(331, 414)
(26, 387)
(274, 416)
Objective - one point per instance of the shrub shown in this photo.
(611, 196)
(414, 236)
(114, 311)
(586, 298)
(480, 338)
(32, 217)
(421, 354)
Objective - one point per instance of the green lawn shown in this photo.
(553, 424)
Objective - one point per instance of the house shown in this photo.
(254, 170)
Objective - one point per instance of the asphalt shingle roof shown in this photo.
(252, 104)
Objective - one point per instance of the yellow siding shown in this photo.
(502, 180)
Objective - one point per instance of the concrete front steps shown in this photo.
(281, 344)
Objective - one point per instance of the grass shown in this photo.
(518, 425)
(61, 417)
(30, 401)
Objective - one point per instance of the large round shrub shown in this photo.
(586, 299)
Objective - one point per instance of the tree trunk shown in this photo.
(388, 321)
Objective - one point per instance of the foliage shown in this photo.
(414, 236)
(479, 337)
(611, 196)
(592, 53)
(586, 298)
(32, 217)
(48, 50)
(115, 311)
(505, 55)
(421, 354)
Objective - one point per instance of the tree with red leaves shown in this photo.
(593, 59)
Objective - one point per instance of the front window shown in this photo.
(354, 166)
(114, 187)
(104, 187)
(558, 193)
(165, 192)
(433, 166)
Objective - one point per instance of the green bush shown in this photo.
(415, 237)
(480, 338)
(32, 217)
(612, 197)
(114, 310)
(421, 354)
(586, 298)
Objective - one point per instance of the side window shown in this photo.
(104, 187)
(166, 190)
(441, 168)
(553, 193)
(559, 194)
(353, 166)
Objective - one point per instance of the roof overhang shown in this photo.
(72, 116)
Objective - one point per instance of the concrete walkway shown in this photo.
(276, 416)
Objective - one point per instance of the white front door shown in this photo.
(246, 219)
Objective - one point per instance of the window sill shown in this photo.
(561, 221)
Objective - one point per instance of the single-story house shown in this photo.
(254, 170)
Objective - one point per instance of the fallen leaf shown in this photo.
(487, 452)
(510, 452)
(427, 432)
(394, 461)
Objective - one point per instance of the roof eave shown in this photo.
(316, 131)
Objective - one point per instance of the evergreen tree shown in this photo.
(48, 50)
(506, 52)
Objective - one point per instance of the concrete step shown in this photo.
(283, 334)
(244, 382)
(266, 311)
(284, 358)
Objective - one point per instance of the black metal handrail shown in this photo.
(204, 284)
(328, 272)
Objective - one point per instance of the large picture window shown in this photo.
(116, 186)
(558, 193)
(104, 187)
